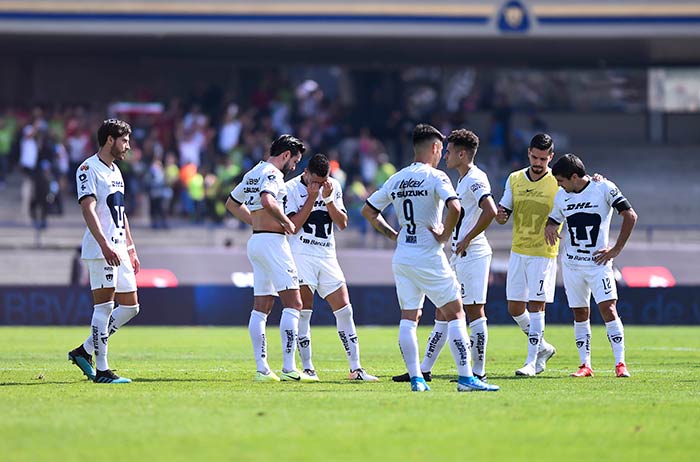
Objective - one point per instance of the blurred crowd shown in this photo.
(189, 152)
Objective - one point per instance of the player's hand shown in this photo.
(327, 189)
(135, 263)
(437, 232)
(502, 215)
(288, 226)
(110, 255)
(597, 177)
(462, 246)
(551, 234)
(313, 190)
(604, 255)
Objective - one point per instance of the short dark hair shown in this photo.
(114, 128)
(543, 142)
(464, 138)
(425, 132)
(287, 143)
(319, 165)
(567, 165)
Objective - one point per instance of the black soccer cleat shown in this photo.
(427, 376)
(83, 360)
(109, 377)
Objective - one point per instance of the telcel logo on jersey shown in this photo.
(410, 183)
(580, 206)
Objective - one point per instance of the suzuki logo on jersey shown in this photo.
(580, 206)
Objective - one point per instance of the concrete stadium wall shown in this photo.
(225, 305)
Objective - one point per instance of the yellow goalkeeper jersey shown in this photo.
(530, 203)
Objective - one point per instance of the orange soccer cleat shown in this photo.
(583, 371)
(621, 370)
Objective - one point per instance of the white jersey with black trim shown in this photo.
(418, 193)
(587, 214)
(316, 237)
(264, 177)
(95, 178)
(471, 189)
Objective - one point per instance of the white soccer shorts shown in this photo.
(473, 278)
(434, 279)
(531, 278)
(273, 266)
(121, 278)
(322, 275)
(581, 281)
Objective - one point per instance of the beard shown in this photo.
(117, 153)
(537, 169)
(287, 167)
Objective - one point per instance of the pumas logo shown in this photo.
(534, 340)
(304, 342)
(109, 277)
(579, 344)
(616, 339)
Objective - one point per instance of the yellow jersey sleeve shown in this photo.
(532, 203)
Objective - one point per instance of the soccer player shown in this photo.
(418, 193)
(587, 207)
(314, 204)
(528, 197)
(471, 253)
(107, 248)
(258, 200)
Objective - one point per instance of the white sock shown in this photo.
(436, 341)
(408, 343)
(100, 336)
(523, 321)
(616, 336)
(120, 316)
(535, 336)
(582, 333)
(289, 330)
(348, 335)
(304, 342)
(256, 329)
(479, 338)
(459, 345)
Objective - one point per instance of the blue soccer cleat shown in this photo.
(109, 377)
(418, 384)
(474, 384)
(83, 360)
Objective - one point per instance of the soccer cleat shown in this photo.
(427, 376)
(312, 373)
(621, 370)
(361, 374)
(471, 383)
(109, 377)
(296, 376)
(528, 370)
(418, 384)
(544, 355)
(583, 371)
(266, 377)
(83, 360)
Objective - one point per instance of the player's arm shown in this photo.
(551, 231)
(375, 217)
(300, 217)
(629, 219)
(239, 210)
(488, 213)
(338, 216)
(87, 207)
(130, 247)
(270, 204)
(444, 233)
(505, 206)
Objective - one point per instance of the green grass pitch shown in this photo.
(193, 399)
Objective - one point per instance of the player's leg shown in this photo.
(478, 338)
(289, 327)
(411, 302)
(257, 326)
(339, 301)
(517, 293)
(473, 277)
(578, 295)
(547, 268)
(304, 341)
(604, 288)
(434, 346)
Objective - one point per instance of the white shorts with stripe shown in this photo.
(322, 275)
(434, 278)
(473, 278)
(531, 278)
(121, 278)
(273, 266)
(581, 281)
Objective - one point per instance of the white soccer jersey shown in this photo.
(106, 185)
(264, 177)
(316, 236)
(418, 193)
(587, 214)
(472, 188)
